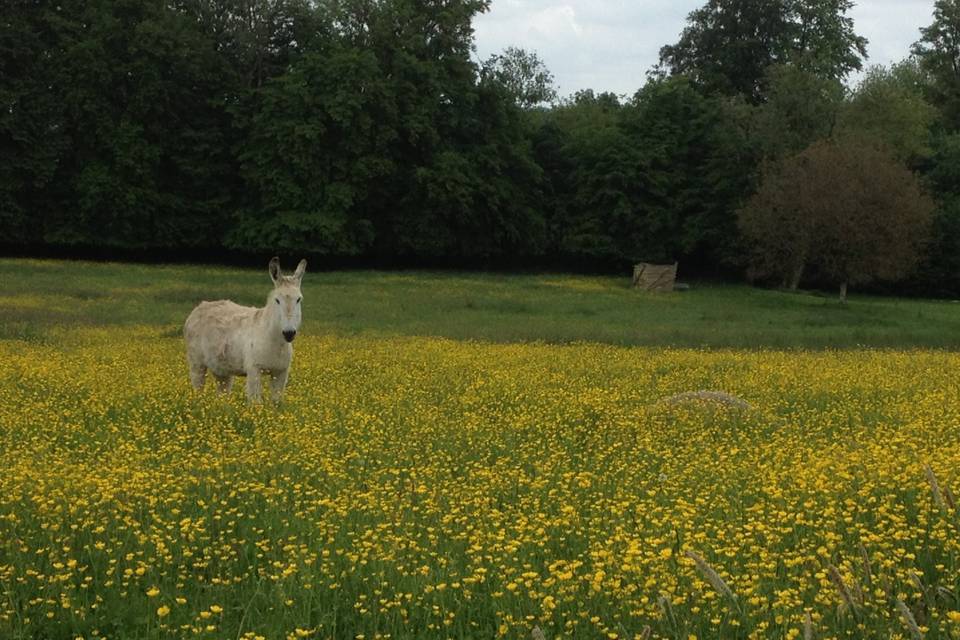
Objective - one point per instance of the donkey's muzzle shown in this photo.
(289, 335)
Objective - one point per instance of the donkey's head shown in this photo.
(284, 300)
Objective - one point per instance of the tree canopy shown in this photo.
(728, 45)
(847, 209)
(368, 132)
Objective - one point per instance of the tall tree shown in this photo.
(258, 39)
(590, 169)
(479, 198)
(524, 75)
(728, 45)
(848, 209)
(938, 51)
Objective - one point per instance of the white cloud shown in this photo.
(609, 45)
(891, 26)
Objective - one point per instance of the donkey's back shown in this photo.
(217, 315)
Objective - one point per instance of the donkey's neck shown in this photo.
(267, 321)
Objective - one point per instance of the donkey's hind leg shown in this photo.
(224, 383)
(198, 374)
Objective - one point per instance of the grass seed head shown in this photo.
(842, 587)
(712, 576)
(909, 622)
(867, 567)
(934, 487)
(948, 496)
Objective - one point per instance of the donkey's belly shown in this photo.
(226, 358)
(224, 372)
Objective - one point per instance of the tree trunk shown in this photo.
(843, 292)
(795, 276)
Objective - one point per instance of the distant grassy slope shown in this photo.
(37, 297)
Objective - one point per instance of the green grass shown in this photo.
(412, 487)
(551, 308)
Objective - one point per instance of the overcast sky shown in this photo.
(609, 45)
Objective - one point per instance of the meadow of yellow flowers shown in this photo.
(427, 488)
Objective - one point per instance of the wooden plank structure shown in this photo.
(654, 277)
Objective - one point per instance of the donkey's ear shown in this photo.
(274, 269)
(298, 274)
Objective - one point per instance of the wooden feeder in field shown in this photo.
(654, 277)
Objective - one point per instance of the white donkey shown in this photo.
(231, 340)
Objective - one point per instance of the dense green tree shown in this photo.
(121, 117)
(938, 273)
(728, 45)
(146, 100)
(589, 168)
(938, 52)
(383, 139)
(32, 136)
(258, 39)
(824, 41)
(889, 106)
(801, 108)
(480, 197)
(698, 166)
(654, 179)
(365, 128)
(450, 151)
(317, 145)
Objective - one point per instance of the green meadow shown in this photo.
(39, 296)
(477, 456)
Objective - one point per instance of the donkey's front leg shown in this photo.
(254, 385)
(278, 382)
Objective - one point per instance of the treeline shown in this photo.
(366, 130)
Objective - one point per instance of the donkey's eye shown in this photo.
(277, 300)
(298, 300)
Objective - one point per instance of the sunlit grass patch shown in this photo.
(584, 284)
